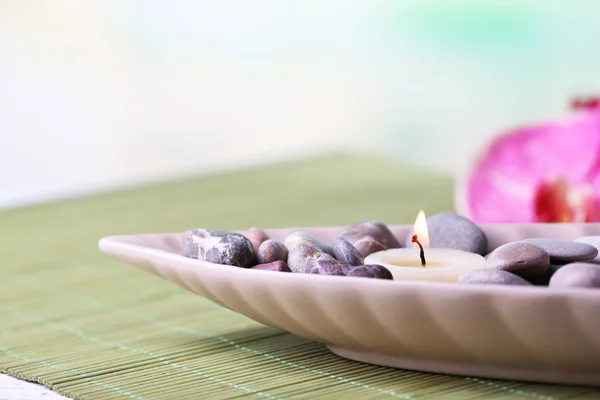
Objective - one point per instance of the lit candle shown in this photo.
(422, 263)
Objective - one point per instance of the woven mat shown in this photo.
(90, 327)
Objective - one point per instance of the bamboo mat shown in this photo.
(90, 327)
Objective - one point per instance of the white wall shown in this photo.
(102, 93)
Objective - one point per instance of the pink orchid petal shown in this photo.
(503, 185)
(490, 203)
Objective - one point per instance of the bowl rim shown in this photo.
(116, 245)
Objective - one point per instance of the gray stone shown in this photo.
(524, 259)
(298, 238)
(274, 266)
(334, 267)
(369, 237)
(326, 267)
(452, 231)
(271, 250)
(374, 225)
(345, 252)
(582, 275)
(593, 241)
(220, 247)
(492, 277)
(564, 250)
(301, 258)
(369, 271)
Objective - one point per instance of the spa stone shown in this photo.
(564, 250)
(492, 277)
(594, 241)
(271, 250)
(219, 247)
(452, 231)
(256, 236)
(520, 258)
(326, 267)
(369, 237)
(370, 271)
(346, 252)
(300, 237)
(279, 266)
(581, 275)
(302, 258)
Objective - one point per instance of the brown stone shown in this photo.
(520, 258)
(256, 236)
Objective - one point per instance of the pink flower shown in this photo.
(544, 173)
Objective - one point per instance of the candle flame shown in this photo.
(421, 229)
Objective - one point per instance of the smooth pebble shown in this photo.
(300, 237)
(220, 247)
(369, 271)
(524, 259)
(257, 237)
(583, 275)
(369, 237)
(301, 258)
(345, 252)
(492, 277)
(271, 250)
(564, 250)
(452, 231)
(593, 241)
(375, 225)
(273, 266)
(327, 267)
(336, 268)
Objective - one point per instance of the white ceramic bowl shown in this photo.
(506, 332)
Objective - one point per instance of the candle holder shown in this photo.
(528, 333)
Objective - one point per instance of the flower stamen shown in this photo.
(556, 201)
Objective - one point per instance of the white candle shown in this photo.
(442, 265)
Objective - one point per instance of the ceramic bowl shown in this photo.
(505, 332)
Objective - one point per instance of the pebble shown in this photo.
(219, 247)
(274, 266)
(376, 226)
(301, 258)
(271, 250)
(492, 277)
(334, 267)
(369, 237)
(327, 267)
(594, 241)
(370, 271)
(345, 252)
(564, 250)
(298, 238)
(256, 236)
(452, 231)
(582, 275)
(524, 259)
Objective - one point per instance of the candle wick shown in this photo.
(421, 253)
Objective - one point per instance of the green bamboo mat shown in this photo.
(90, 327)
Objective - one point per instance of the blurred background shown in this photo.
(102, 94)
